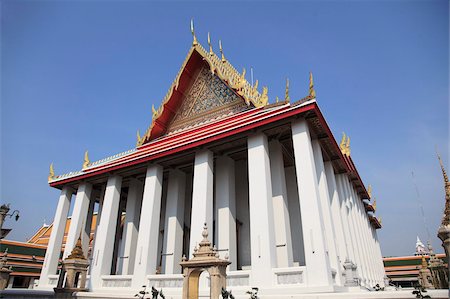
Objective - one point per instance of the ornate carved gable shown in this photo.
(207, 98)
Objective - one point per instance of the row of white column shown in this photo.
(334, 225)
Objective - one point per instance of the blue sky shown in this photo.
(78, 75)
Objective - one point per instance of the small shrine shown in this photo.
(206, 258)
(72, 277)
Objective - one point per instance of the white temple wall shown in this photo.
(242, 215)
(298, 249)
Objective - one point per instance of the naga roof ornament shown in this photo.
(345, 145)
(369, 191)
(220, 67)
(86, 161)
(51, 174)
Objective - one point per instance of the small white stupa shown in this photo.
(421, 249)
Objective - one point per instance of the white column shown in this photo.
(79, 217)
(344, 217)
(283, 240)
(262, 234)
(86, 238)
(295, 217)
(243, 214)
(56, 237)
(318, 271)
(130, 229)
(330, 234)
(336, 213)
(202, 197)
(147, 243)
(353, 229)
(225, 195)
(174, 222)
(106, 232)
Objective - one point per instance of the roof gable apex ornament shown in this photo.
(86, 161)
(210, 46)
(140, 139)
(194, 38)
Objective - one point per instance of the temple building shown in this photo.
(282, 200)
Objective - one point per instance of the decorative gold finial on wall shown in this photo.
(210, 46)
(86, 161)
(51, 174)
(286, 93)
(194, 40)
(312, 92)
(221, 51)
(369, 191)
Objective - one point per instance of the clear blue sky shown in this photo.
(79, 75)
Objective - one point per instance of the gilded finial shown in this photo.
(369, 191)
(347, 145)
(51, 174)
(264, 96)
(380, 220)
(194, 40)
(312, 92)
(277, 99)
(342, 144)
(221, 51)
(374, 205)
(139, 139)
(86, 161)
(286, 94)
(210, 46)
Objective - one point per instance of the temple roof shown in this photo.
(184, 122)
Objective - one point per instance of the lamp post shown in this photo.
(4, 209)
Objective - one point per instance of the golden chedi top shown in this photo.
(77, 251)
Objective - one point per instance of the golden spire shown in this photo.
(77, 251)
(221, 51)
(369, 191)
(277, 99)
(86, 161)
(374, 205)
(286, 93)
(446, 216)
(210, 46)
(194, 41)
(51, 174)
(312, 92)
